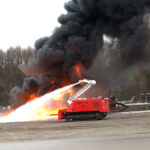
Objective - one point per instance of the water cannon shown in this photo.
(89, 83)
(93, 82)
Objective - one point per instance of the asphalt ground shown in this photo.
(128, 142)
(116, 124)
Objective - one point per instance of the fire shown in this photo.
(41, 108)
(62, 95)
(32, 97)
(52, 82)
(78, 70)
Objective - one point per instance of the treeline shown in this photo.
(10, 75)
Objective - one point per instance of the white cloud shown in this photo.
(24, 21)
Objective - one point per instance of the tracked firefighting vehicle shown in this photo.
(83, 108)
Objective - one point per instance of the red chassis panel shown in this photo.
(86, 105)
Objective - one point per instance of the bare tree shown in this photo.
(10, 75)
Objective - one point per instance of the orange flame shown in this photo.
(32, 97)
(78, 72)
(41, 108)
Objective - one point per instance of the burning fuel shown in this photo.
(78, 71)
(40, 108)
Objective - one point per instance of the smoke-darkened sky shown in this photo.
(22, 22)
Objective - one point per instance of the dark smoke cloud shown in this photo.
(79, 39)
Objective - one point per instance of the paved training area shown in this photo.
(116, 131)
(130, 142)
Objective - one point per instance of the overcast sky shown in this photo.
(22, 22)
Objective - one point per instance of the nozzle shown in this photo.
(93, 82)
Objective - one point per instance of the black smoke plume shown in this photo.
(79, 39)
